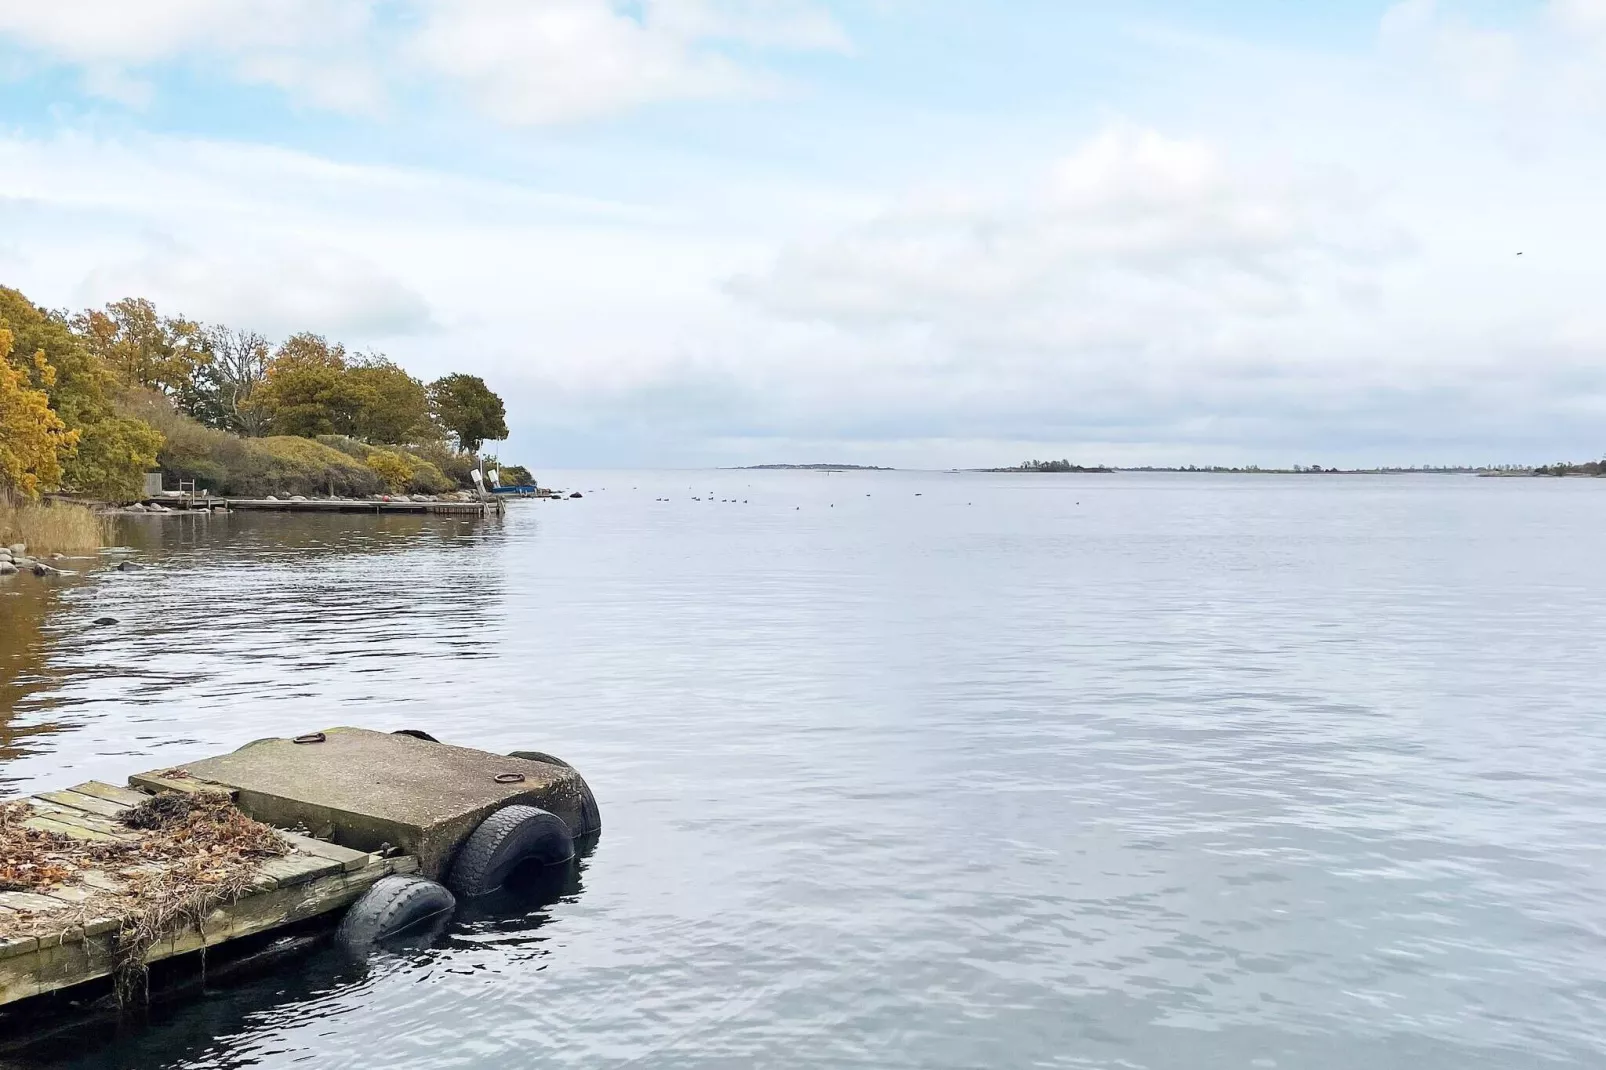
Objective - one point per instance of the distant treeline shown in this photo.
(90, 401)
(1047, 466)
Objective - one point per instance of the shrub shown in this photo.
(393, 468)
(190, 450)
(427, 479)
(455, 465)
(285, 465)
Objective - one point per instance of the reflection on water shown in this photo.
(220, 1017)
(920, 770)
(26, 608)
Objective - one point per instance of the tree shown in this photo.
(468, 409)
(33, 440)
(112, 458)
(308, 391)
(227, 384)
(80, 388)
(397, 409)
(142, 347)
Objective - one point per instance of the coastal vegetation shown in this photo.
(91, 401)
(51, 526)
(1048, 466)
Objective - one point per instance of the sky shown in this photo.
(943, 233)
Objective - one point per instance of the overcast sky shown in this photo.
(907, 232)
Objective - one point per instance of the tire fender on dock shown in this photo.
(590, 818)
(394, 905)
(513, 836)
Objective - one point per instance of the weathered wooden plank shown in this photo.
(186, 785)
(110, 793)
(94, 878)
(67, 894)
(87, 803)
(294, 869)
(30, 901)
(58, 965)
(79, 819)
(62, 828)
(349, 860)
(16, 945)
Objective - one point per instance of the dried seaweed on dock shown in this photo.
(177, 861)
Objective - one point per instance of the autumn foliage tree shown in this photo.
(90, 402)
(33, 440)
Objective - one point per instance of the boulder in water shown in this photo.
(129, 566)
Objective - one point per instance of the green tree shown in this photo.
(112, 458)
(467, 408)
(397, 409)
(308, 389)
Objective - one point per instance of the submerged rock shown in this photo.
(128, 566)
(103, 621)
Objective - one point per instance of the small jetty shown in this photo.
(431, 506)
(105, 880)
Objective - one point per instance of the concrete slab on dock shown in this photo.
(368, 789)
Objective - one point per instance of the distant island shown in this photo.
(1046, 466)
(812, 468)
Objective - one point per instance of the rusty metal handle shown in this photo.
(311, 737)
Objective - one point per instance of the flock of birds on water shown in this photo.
(743, 501)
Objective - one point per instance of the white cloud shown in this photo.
(522, 61)
(1137, 247)
(1554, 61)
(314, 48)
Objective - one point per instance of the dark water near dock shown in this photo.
(1024, 771)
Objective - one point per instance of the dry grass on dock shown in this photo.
(186, 855)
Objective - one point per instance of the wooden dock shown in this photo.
(492, 507)
(275, 832)
(85, 912)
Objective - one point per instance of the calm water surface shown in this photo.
(904, 770)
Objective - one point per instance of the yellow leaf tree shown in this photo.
(33, 440)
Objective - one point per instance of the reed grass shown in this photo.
(52, 526)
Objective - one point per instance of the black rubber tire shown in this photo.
(513, 836)
(539, 756)
(415, 734)
(590, 813)
(393, 904)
